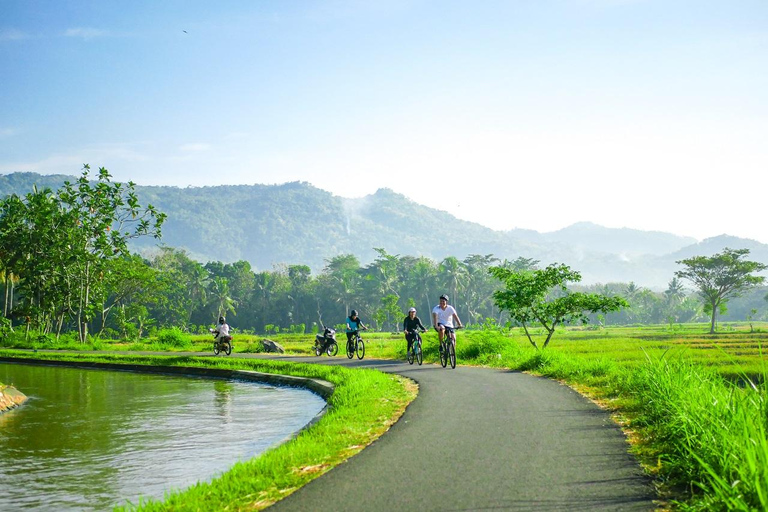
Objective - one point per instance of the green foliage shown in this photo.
(720, 277)
(364, 405)
(542, 296)
(173, 337)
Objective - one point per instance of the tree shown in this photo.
(99, 219)
(720, 278)
(542, 296)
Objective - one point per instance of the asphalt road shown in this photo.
(484, 439)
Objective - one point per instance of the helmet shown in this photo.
(412, 310)
(444, 297)
(222, 320)
(353, 312)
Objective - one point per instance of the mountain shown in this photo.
(297, 223)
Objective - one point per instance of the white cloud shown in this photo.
(106, 155)
(12, 34)
(85, 33)
(7, 132)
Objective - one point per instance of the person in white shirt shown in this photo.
(222, 330)
(443, 316)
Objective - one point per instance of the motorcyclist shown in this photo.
(411, 324)
(222, 331)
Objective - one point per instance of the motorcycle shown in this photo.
(326, 342)
(222, 344)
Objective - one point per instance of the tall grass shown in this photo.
(709, 433)
(696, 403)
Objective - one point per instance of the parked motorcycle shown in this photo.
(326, 342)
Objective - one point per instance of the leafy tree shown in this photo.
(675, 291)
(222, 302)
(182, 283)
(342, 276)
(479, 290)
(128, 280)
(100, 218)
(454, 276)
(721, 277)
(542, 296)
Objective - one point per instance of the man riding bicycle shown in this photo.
(443, 316)
(410, 325)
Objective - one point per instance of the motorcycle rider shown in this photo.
(222, 331)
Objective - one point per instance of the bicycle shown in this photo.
(415, 351)
(448, 347)
(355, 345)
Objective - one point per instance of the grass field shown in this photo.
(693, 404)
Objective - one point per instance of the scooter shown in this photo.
(326, 342)
(222, 344)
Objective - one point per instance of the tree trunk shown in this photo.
(714, 314)
(525, 328)
(5, 305)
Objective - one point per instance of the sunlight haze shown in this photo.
(644, 114)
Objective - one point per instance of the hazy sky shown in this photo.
(532, 113)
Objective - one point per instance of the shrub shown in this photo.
(173, 337)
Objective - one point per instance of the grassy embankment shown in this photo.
(364, 405)
(693, 404)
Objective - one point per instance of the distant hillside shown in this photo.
(297, 223)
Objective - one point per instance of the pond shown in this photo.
(90, 439)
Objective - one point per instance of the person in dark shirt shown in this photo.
(410, 325)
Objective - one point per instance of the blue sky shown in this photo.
(532, 114)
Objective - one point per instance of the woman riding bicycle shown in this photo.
(443, 316)
(411, 325)
(353, 324)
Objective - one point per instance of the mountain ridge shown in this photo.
(298, 223)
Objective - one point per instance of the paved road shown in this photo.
(483, 439)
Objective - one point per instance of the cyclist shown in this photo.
(443, 316)
(353, 324)
(410, 325)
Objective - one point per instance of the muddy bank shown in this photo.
(10, 397)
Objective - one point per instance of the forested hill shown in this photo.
(297, 223)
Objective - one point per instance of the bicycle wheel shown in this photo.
(350, 350)
(216, 348)
(360, 348)
(409, 352)
(452, 353)
(418, 352)
(333, 349)
(443, 354)
(227, 347)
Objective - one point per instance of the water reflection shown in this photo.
(89, 439)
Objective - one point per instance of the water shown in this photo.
(91, 439)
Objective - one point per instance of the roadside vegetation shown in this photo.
(365, 403)
(693, 405)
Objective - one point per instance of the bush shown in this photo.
(173, 337)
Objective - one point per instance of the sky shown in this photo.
(646, 114)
